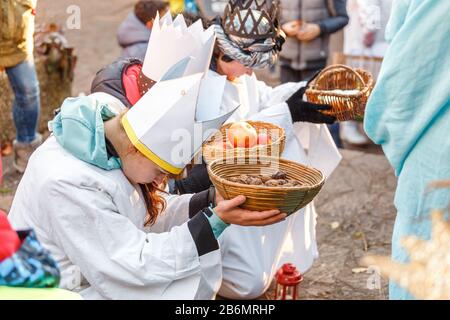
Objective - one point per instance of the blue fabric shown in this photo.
(334, 130)
(408, 114)
(26, 106)
(79, 129)
(31, 266)
(217, 224)
(336, 22)
(191, 7)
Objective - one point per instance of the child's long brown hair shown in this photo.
(153, 201)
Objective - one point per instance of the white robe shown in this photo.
(92, 222)
(251, 255)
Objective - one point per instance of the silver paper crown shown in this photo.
(242, 18)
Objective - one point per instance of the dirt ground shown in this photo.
(355, 207)
(95, 42)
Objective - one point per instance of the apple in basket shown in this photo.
(264, 139)
(242, 135)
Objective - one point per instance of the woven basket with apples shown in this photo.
(244, 139)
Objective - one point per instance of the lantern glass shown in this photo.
(290, 293)
(285, 292)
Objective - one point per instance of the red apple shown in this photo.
(264, 139)
(242, 135)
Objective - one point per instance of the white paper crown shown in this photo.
(171, 41)
(172, 120)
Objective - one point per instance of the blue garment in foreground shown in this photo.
(409, 115)
(31, 266)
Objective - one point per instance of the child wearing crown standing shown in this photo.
(91, 191)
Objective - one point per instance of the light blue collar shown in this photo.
(79, 129)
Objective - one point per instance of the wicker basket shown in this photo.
(276, 133)
(345, 105)
(260, 198)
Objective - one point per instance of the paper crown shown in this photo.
(172, 120)
(178, 110)
(242, 18)
(171, 41)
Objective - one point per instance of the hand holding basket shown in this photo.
(345, 89)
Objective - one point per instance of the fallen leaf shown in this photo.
(334, 225)
(359, 270)
(6, 191)
(358, 235)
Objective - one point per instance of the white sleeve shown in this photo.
(270, 96)
(272, 106)
(119, 260)
(322, 152)
(176, 212)
(179, 209)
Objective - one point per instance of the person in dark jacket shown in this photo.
(308, 24)
(134, 32)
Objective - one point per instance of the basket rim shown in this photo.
(209, 143)
(361, 73)
(332, 67)
(236, 184)
(370, 80)
(331, 93)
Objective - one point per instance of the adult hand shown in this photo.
(229, 212)
(291, 28)
(308, 32)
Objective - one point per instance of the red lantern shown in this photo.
(288, 279)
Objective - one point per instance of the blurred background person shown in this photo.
(188, 6)
(308, 25)
(134, 32)
(209, 9)
(176, 6)
(364, 47)
(306, 49)
(16, 56)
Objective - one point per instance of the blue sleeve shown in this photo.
(217, 224)
(339, 17)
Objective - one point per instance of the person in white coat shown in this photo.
(364, 35)
(90, 192)
(251, 256)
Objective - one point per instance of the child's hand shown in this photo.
(229, 212)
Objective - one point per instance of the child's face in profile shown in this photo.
(233, 69)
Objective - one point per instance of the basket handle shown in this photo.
(337, 66)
